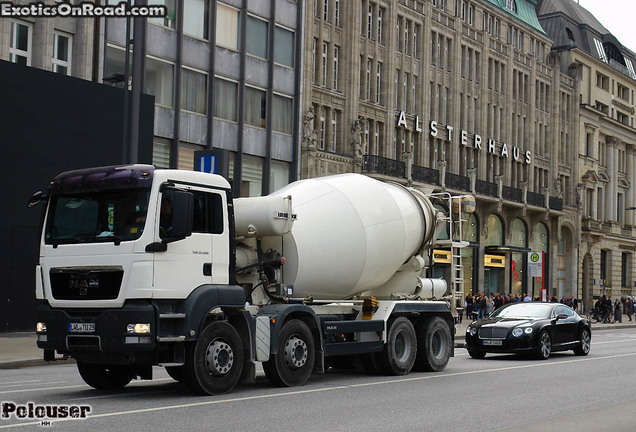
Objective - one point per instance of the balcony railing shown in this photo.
(512, 194)
(556, 204)
(425, 175)
(536, 199)
(455, 181)
(380, 165)
(486, 188)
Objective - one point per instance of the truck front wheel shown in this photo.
(399, 352)
(105, 377)
(293, 363)
(433, 345)
(215, 361)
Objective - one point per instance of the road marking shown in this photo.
(324, 389)
(33, 383)
(20, 382)
(73, 386)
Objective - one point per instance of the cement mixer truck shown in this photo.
(142, 267)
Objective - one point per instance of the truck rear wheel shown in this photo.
(105, 377)
(294, 361)
(214, 362)
(400, 350)
(433, 345)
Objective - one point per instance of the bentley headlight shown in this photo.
(528, 330)
(517, 332)
(473, 331)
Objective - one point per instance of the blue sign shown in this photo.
(207, 163)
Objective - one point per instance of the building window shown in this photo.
(158, 80)
(415, 33)
(314, 48)
(336, 10)
(284, 46)
(20, 43)
(511, 5)
(380, 15)
(325, 10)
(336, 66)
(194, 91)
(378, 83)
(255, 107)
(279, 175)
(225, 99)
(195, 18)
(624, 269)
(324, 64)
(368, 81)
(370, 22)
(323, 126)
(406, 38)
(227, 27)
(256, 37)
(62, 46)
(169, 20)
(334, 131)
(282, 114)
(397, 39)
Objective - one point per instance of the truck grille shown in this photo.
(493, 333)
(86, 283)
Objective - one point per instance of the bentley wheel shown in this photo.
(584, 345)
(545, 346)
(477, 354)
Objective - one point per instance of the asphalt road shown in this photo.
(500, 392)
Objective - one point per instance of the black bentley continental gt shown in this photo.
(533, 328)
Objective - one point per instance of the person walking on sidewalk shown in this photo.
(628, 308)
(617, 311)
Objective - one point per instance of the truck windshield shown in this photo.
(97, 216)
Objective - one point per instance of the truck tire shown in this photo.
(177, 373)
(215, 361)
(434, 344)
(400, 350)
(105, 377)
(294, 361)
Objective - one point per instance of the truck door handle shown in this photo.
(207, 269)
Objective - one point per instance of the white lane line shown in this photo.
(325, 389)
(21, 382)
(26, 384)
(74, 386)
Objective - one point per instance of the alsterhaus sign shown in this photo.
(515, 152)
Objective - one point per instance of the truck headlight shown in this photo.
(40, 327)
(517, 332)
(138, 328)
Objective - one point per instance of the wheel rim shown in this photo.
(219, 357)
(546, 345)
(438, 344)
(295, 352)
(585, 341)
(402, 347)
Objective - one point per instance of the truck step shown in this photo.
(172, 315)
(170, 338)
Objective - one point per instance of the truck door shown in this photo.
(202, 258)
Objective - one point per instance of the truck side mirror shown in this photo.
(36, 199)
(182, 215)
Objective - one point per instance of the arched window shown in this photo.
(471, 229)
(570, 35)
(494, 231)
(519, 238)
(511, 5)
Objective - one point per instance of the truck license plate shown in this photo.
(81, 327)
(493, 342)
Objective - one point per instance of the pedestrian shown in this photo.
(483, 304)
(617, 311)
(527, 298)
(628, 308)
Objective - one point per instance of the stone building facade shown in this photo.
(454, 96)
(606, 146)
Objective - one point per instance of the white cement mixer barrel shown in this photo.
(351, 234)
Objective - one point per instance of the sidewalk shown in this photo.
(19, 349)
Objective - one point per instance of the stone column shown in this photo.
(629, 199)
(609, 199)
